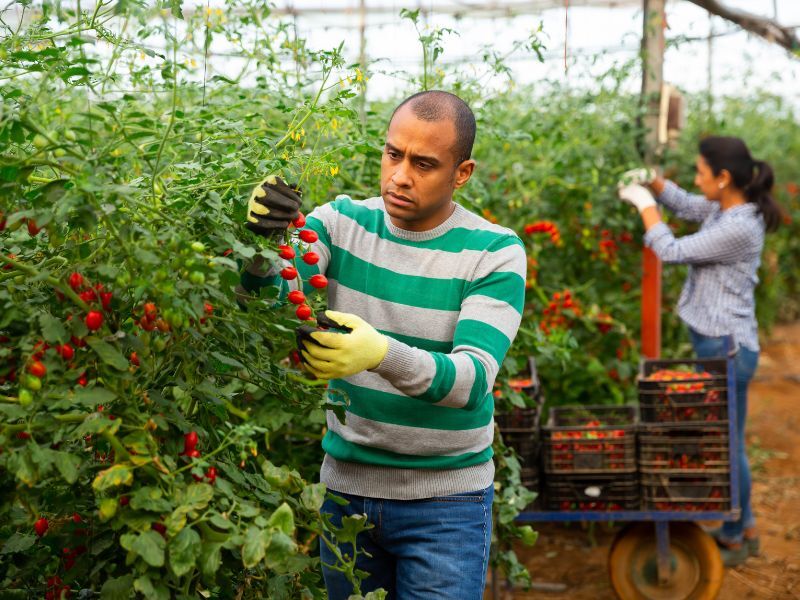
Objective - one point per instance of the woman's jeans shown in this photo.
(745, 366)
(417, 549)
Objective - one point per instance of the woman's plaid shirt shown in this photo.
(723, 258)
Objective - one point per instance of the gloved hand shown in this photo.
(640, 176)
(330, 355)
(272, 206)
(637, 195)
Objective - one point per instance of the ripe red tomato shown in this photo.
(189, 441)
(150, 311)
(32, 228)
(66, 351)
(37, 369)
(105, 300)
(134, 359)
(318, 281)
(309, 236)
(286, 252)
(88, 296)
(311, 258)
(303, 312)
(289, 273)
(208, 308)
(94, 320)
(82, 380)
(300, 221)
(296, 297)
(41, 526)
(76, 281)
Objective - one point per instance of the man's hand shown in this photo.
(637, 195)
(335, 355)
(640, 176)
(272, 206)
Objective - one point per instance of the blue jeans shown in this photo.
(745, 365)
(418, 549)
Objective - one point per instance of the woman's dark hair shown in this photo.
(754, 177)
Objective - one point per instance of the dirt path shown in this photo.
(566, 554)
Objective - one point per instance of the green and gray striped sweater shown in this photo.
(450, 301)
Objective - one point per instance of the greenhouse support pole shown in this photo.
(652, 82)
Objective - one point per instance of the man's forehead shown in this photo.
(406, 127)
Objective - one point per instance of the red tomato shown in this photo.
(94, 320)
(311, 258)
(309, 236)
(318, 281)
(286, 252)
(300, 221)
(41, 526)
(76, 281)
(289, 273)
(37, 369)
(296, 297)
(303, 312)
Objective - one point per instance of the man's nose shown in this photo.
(402, 176)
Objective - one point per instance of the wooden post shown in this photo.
(652, 81)
(362, 60)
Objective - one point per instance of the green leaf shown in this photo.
(225, 360)
(52, 329)
(108, 353)
(197, 496)
(175, 7)
(351, 527)
(183, 551)
(91, 397)
(68, 465)
(151, 499)
(254, 546)
(313, 496)
(114, 476)
(150, 546)
(145, 587)
(19, 542)
(282, 519)
(118, 588)
(99, 423)
(210, 559)
(107, 508)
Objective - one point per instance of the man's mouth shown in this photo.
(399, 200)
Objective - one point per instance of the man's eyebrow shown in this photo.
(431, 159)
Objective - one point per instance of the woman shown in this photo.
(736, 208)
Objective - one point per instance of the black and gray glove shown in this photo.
(272, 206)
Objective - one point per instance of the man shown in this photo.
(433, 296)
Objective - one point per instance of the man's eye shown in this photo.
(392, 154)
(424, 166)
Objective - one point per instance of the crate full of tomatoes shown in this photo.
(590, 440)
(683, 391)
(592, 492)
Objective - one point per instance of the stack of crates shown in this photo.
(589, 458)
(520, 429)
(684, 458)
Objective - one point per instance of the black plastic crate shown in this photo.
(519, 419)
(702, 449)
(591, 492)
(526, 445)
(689, 492)
(698, 394)
(590, 439)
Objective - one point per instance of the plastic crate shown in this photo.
(685, 450)
(702, 398)
(526, 445)
(590, 439)
(591, 492)
(685, 491)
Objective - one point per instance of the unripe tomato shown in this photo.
(286, 252)
(300, 221)
(159, 344)
(40, 141)
(94, 320)
(303, 312)
(32, 383)
(70, 135)
(289, 273)
(198, 246)
(311, 258)
(318, 281)
(197, 278)
(25, 397)
(59, 152)
(37, 369)
(296, 297)
(309, 236)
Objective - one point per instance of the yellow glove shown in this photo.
(272, 206)
(337, 355)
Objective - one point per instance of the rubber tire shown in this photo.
(687, 538)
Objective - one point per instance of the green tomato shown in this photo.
(70, 135)
(173, 317)
(123, 279)
(32, 383)
(59, 152)
(40, 141)
(198, 246)
(197, 278)
(159, 344)
(25, 397)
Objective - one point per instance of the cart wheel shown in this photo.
(695, 564)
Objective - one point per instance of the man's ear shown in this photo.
(464, 172)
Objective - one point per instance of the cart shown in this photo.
(663, 554)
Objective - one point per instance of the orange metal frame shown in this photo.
(651, 304)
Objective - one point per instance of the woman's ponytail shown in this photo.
(754, 177)
(759, 190)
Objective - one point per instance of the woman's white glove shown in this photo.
(640, 176)
(637, 195)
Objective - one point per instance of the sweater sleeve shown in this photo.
(686, 206)
(489, 317)
(261, 273)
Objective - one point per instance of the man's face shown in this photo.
(419, 171)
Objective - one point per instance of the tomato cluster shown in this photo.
(547, 227)
(560, 312)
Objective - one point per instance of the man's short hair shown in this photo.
(436, 105)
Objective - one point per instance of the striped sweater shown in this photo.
(450, 301)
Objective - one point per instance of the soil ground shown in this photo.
(575, 556)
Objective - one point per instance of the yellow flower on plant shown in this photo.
(359, 75)
(334, 170)
(209, 10)
(193, 62)
(334, 124)
(218, 12)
